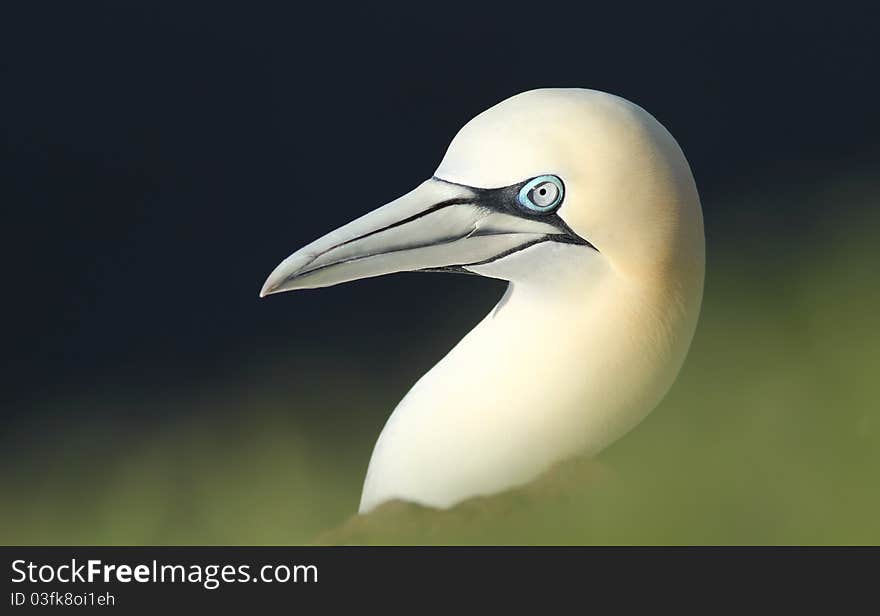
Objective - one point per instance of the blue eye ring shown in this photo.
(532, 197)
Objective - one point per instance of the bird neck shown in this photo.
(558, 368)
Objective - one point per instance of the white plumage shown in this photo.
(586, 204)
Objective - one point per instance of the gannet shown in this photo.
(587, 206)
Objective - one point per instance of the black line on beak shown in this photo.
(416, 216)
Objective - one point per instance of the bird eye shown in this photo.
(542, 194)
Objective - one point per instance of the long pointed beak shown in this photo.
(437, 225)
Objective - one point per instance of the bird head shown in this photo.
(542, 185)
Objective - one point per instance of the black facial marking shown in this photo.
(505, 200)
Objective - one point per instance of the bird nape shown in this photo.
(587, 206)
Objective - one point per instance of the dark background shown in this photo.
(160, 159)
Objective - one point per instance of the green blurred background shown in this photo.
(770, 435)
(162, 161)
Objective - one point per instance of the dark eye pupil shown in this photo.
(542, 194)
